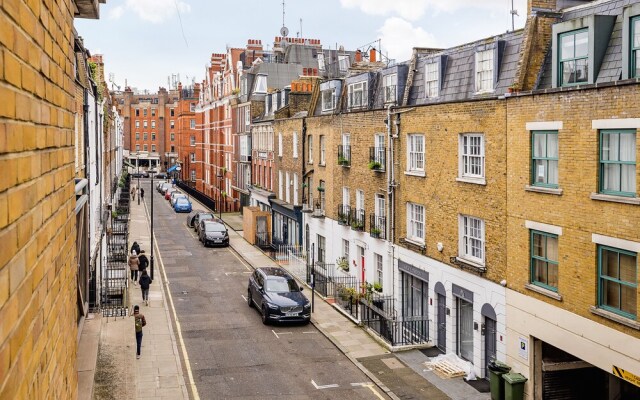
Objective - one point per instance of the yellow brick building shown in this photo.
(38, 288)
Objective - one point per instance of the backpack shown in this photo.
(140, 322)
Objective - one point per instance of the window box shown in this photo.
(344, 155)
(374, 165)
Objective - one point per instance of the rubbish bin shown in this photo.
(496, 370)
(514, 386)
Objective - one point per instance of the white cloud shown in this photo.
(414, 9)
(157, 11)
(116, 12)
(399, 37)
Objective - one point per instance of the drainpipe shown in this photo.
(390, 227)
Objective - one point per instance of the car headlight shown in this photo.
(272, 306)
(307, 305)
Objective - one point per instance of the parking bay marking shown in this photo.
(332, 385)
(281, 333)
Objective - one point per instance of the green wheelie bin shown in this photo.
(496, 370)
(514, 386)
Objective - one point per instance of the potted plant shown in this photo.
(342, 160)
(356, 225)
(343, 264)
(320, 189)
(114, 214)
(224, 194)
(514, 88)
(375, 232)
(377, 286)
(374, 165)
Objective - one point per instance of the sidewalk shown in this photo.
(400, 375)
(118, 374)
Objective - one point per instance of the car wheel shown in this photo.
(265, 317)
(249, 299)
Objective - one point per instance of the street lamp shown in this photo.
(138, 188)
(220, 194)
(151, 190)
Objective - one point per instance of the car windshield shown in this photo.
(182, 201)
(214, 227)
(281, 285)
(205, 216)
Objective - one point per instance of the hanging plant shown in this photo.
(320, 189)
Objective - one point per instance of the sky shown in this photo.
(144, 42)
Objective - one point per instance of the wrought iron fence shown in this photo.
(344, 155)
(357, 220)
(262, 240)
(324, 278)
(404, 332)
(344, 214)
(377, 226)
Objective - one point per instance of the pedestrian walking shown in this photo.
(135, 247)
(142, 194)
(145, 281)
(144, 261)
(133, 192)
(134, 263)
(139, 322)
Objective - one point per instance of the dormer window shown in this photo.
(574, 58)
(358, 95)
(484, 71)
(329, 99)
(635, 47)
(431, 80)
(343, 63)
(390, 84)
(261, 84)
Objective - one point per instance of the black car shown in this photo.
(205, 216)
(160, 175)
(142, 174)
(278, 297)
(213, 233)
(191, 218)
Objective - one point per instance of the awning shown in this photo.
(173, 168)
(128, 164)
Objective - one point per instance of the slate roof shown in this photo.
(458, 72)
(611, 68)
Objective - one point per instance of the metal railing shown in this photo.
(358, 220)
(262, 240)
(377, 158)
(405, 332)
(344, 214)
(324, 277)
(377, 226)
(344, 155)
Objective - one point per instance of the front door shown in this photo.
(489, 343)
(464, 334)
(442, 323)
(261, 230)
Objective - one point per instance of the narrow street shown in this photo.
(231, 353)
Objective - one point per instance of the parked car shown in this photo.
(160, 175)
(182, 205)
(141, 174)
(191, 217)
(201, 217)
(174, 195)
(213, 233)
(167, 193)
(277, 296)
(164, 187)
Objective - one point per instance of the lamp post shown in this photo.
(138, 187)
(151, 260)
(220, 194)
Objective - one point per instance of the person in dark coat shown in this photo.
(145, 281)
(139, 322)
(135, 246)
(144, 261)
(141, 193)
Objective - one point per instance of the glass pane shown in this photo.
(582, 70)
(628, 299)
(582, 44)
(609, 147)
(609, 263)
(568, 71)
(636, 33)
(611, 177)
(540, 171)
(552, 249)
(539, 145)
(627, 146)
(628, 268)
(552, 275)
(636, 57)
(466, 330)
(540, 271)
(552, 174)
(566, 49)
(628, 178)
(611, 294)
(552, 145)
(538, 245)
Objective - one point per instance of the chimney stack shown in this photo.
(372, 55)
(358, 56)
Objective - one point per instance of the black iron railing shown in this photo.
(344, 155)
(358, 220)
(344, 214)
(262, 240)
(377, 226)
(377, 160)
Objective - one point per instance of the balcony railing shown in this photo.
(344, 214)
(318, 209)
(344, 155)
(358, 220)
(377, 226)
(377, 160)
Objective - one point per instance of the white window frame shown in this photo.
(359, 199)
(432, 80)
(323, 159)
(379, 264)
(466, 171)
(145, 124)
(295, 144)
(359, 87)
(343, 62)
(310, 149)
(321, 64)
(380, 205)
(415, 153)
(346, 196)
(137, 124)
(280, 144)
(192, 124)
(329, 96)
(415, 223)
(193, 157)
(280, 185)
(484, 71)
(153, 148)
(345, 249)
(471, 231)
(295, 189)
(390, 85)
(287, 188)
(261, 84)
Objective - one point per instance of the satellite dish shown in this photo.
(284, 31)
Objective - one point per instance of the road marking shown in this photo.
(333, 385)
(183, 348)
(309, 332)
(361, 384)
(240, 259)
(244, 298)
(190, 231)
(371, 387)
(274, 332)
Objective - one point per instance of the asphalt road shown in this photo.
(232, 355)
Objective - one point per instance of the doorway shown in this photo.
(441, 320)
(464, 329)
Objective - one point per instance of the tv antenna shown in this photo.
(513, 12)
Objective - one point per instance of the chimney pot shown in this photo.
(358, 56)
(372, 55)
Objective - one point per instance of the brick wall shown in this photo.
(573, 210)
(37, 226)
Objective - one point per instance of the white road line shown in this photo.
(244, 298)
(309, 332)
(361, 384)
(240, 259)
(333, 385)
(274, 332)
